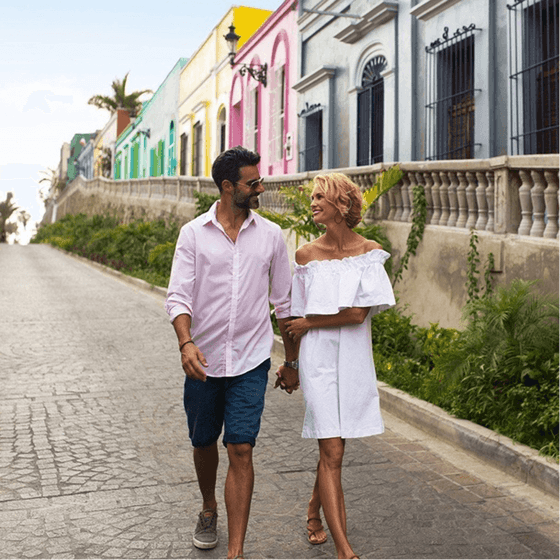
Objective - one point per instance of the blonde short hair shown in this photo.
(340, 191)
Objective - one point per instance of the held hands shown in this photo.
(191, 360)
(296, 328)
(288, 379)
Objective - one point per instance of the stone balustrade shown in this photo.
(516, 194)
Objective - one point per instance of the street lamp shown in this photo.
(256, 71)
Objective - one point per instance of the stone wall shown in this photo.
(512, 203)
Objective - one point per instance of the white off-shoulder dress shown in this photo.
(337, 373)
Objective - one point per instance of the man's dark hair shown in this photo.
(226, 166)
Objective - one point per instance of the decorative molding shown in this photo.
(311, 80)
(381, 13)
(427, 9)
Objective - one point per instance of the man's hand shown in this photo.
(288, 379)
(191, 358)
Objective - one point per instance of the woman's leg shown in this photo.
(315, 528)
(331, 452)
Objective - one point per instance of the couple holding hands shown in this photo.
(229, 264)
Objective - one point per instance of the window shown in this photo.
(252, 120)
(312, 156)
(160, 158)
(450, 111)
(222, 130)
(277, 110)
(184, 147)
(134, 157)
(370, 113)
(197, 150)
(533, 47)
(171, 161)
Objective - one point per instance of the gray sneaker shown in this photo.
(206, 533)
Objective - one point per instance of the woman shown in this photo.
(339, 282)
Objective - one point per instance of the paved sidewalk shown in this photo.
(95, 460)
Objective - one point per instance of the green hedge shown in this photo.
(501, 372)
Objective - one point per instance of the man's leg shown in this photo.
(238, 493)
(243, 410)
(206, 460)
(204, 407)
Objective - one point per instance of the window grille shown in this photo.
(450, 95)
(370, 113)
(312, 155)
(533, 47)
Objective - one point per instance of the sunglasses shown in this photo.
(252, 184)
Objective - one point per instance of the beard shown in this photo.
(246, 201)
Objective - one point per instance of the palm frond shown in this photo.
(385, 182)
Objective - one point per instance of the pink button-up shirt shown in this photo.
(226, 287)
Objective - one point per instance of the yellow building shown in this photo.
(204, 92)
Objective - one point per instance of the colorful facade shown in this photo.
(76, 147)
(205, 93)
(264, 117)
(148, 145)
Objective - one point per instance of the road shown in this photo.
(95, 460)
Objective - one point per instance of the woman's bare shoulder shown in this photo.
(307, 253)
(370, 245)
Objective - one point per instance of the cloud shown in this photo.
(40, 100)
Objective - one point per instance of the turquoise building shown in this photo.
(148, 145)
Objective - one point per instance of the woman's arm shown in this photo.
(296, 328)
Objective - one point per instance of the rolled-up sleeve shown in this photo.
(280, 278)
(182, 281)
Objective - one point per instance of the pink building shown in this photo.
(263, 117)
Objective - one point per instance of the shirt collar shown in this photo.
(211, 216)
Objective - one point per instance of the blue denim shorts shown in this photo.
(235, 403)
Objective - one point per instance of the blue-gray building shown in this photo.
(426, 80)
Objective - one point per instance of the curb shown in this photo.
(515, 459)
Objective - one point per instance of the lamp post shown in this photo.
(256, 71)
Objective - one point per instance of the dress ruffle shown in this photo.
(326, 287)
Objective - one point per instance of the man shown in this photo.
(228, 264)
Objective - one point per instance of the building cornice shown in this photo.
(427, 9)
(311, 80)
(381, 13)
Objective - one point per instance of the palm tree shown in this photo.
(7, 208)
(120, 100)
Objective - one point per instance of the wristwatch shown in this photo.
(293, 365)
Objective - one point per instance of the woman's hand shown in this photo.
(296, 328)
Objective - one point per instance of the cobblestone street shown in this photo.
(95, 460)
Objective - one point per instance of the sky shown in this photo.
(55, 55)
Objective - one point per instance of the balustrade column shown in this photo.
(558, 236)
(481, 202)
(444, 197)
(397, 193)
(435, 182)
(472, 200)
(452, 191)
(551, 203)
(462, 200)
(525, 202)
(425, 179)
(406, 213)
(392, 205)
(490, 200)
(537, 200)
(411, 185)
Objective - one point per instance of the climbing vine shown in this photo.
(473, 274)
(419, 216)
